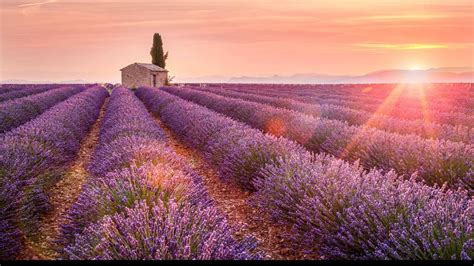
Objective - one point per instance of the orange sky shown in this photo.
(93, 39)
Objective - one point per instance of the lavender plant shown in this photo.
(352, 214)
(452, 106)
(19, 111)
(238, 150)
(346, 211)
(137, 179)
(420, 127)
(435, 161)
(22, 93)
(167, 230)
(31, 160)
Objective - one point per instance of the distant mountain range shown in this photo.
(447, 74)
(384, 76)
(202, 79)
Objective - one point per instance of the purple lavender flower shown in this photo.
(352, 214)
(15, 112)
(23, 92)
(32, 157)
(338, 206)
(166, 230)
(133, 163)
(435, 161)
(358, 117)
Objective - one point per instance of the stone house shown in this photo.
(139, 74)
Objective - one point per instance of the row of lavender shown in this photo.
(331, 204)
(142, 201)
(392, 106)
(17, 87)
(406, 93)
(455, 97)
(22, 93)
(435, 161)
(440, 91)
(32, 158)
(360, 118)
(19, 111)
(6, 88)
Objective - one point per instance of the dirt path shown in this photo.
(236, 204)
(62, 195)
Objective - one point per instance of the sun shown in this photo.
(415, 74)
(416, 67)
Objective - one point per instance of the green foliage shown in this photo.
(158, 57)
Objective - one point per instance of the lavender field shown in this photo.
(237, 172)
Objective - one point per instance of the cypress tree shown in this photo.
(157, 56)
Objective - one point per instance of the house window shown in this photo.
(154, 80)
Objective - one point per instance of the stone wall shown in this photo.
(160, 78)
(134, 76)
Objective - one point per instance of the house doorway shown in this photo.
(154, 80)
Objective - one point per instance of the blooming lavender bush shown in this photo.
(31, 160)
(167, 230)
(112, 193)
(338, 206)
(114, 152)
(249, 154)
(452, 107)
(4, 88)
(436, 161)
(22, 93)
(352, 214)
(138, 180)
(16, 112)
(420, 127)
(239, 151)
(134, 118)
(10, 234)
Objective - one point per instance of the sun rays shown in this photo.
(392, 103)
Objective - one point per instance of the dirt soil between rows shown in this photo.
(236, 204)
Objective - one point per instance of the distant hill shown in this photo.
(384, 76)
(297, 78)
(430, 75)
(203, 79)
(448, 74)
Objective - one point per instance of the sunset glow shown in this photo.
(416, 67)
(91, 40)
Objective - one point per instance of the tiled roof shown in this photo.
(150, 67)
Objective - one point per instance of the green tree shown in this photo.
(158, 57)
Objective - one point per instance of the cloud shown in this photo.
(37, 4)
(405, 17)
(399, 18)
(33, 8)
(402, 46)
